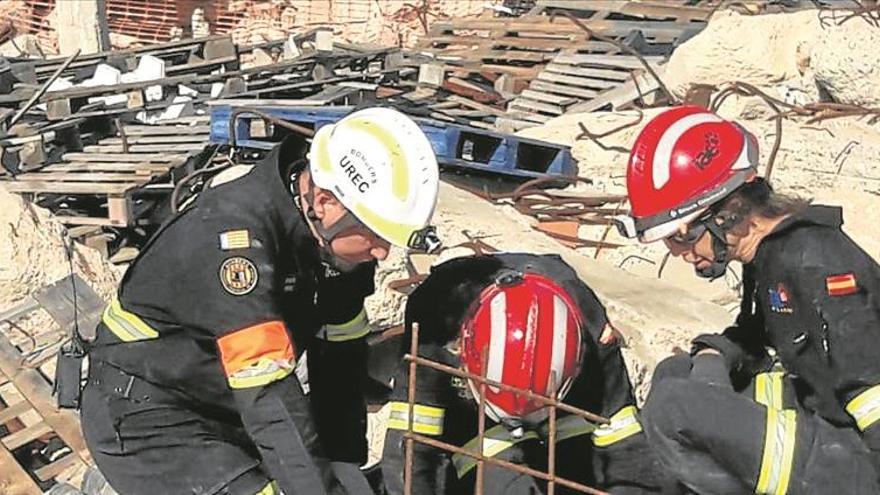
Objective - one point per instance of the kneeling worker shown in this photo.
(542, 330)
(804, 344)
(191, 386)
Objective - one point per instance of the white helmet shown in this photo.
(381, 167)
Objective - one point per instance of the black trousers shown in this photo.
(713, 440)
(149, 448)
(337, 374)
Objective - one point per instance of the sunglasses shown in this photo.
(694, 231)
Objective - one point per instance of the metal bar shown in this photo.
(481, 421)
(121, 128)
(233, 116)
(36, 96)
(502, 463)
(527, 393)
(411, 398)
(551, 442)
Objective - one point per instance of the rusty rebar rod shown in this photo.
(411, 400)
(481, 421)
(502, 463)
(623, 46)
(527, 393)
(233, 116)
(551, 441)
(45, 87)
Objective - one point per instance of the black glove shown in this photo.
(734, 355)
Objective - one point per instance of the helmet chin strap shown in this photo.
(327, 234)
(720, 248)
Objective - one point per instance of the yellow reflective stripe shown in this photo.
(395, 232)
(427, 420)
(357, 327)
(399, 170)
(498, 439)
(495, 440)
(768, 389)
(125, 325)
(624, 424)
(778, 457)
(322, 150)
(865, 407)
(271, 488)
(264, 372)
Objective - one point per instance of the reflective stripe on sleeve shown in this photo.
(257, 355)
(128, 327)
(624, 424)
(778, 457)
(271, 488)
(357, 327)
(768, 389)
(865, 407)
(498, 439)
(427, 420)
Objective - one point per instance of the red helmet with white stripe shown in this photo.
(530, 329)
(685, 160)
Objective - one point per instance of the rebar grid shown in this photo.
(411, 437)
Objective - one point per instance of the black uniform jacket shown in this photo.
(223, 299)
(813, 297)
(617, 457)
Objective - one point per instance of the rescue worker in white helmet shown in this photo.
(787, 399)
(541, 329)
(191, 387)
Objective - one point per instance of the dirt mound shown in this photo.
(846, 61)
(33, 255)
(767, 50)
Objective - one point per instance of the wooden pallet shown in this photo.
(572, 79)
(30, 415)
(116, 170)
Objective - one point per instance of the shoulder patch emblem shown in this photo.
(779, 299)
(235, 239)
(238, 275)
(841, 285)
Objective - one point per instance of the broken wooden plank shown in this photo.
(15, 480)
(188, 138)
(616, 61)
(14, 411)
(534, 106)
(165, 158)
(165, 130)
(36, 390)
(659, 30)
(559, 68)
(68, 187)
(581, 82)
(50, 471)
(622, 95)
(563, 89)
(562, 101)
(143, 148)
(134, 168)
(25, 436)
(83, 177)
(651, 10)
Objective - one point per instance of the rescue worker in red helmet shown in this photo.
(787, 399)
(191, 383)
(543, 330)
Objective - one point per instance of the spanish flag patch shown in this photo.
(841, 285)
